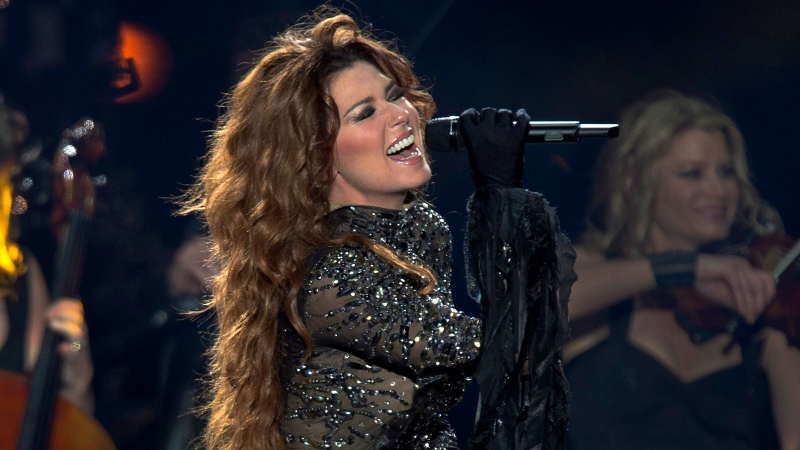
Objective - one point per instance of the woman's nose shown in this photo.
(398, 115)
(717, 185)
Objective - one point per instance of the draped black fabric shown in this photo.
(520, 270)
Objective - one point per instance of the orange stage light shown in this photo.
(152, 62)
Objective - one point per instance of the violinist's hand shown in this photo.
(65, 317)
(732, 282)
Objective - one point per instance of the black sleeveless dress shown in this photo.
(12, 354)
(622, 399)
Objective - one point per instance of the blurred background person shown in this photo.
(25, 306)
(673, 197)
(184, 362)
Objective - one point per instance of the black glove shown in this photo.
(495, 144)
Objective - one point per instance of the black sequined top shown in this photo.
(388, 363)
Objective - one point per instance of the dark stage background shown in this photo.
(567, 60)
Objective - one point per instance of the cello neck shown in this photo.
(37, 421)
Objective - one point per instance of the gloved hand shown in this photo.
(495, 144)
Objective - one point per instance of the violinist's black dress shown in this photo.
(623, 399)
(389, 363)
(12, 353)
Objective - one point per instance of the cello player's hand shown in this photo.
(732, 282)
(65, 318)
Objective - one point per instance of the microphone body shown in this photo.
(443, 135)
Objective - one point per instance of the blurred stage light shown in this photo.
(145, 63)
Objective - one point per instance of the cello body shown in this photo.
(72, 429)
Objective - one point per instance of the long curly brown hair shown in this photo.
(264, 194)
(621, 209)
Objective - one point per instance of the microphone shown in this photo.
(442, 134)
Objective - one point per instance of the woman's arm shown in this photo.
(726, 280)
(521, 270)
(603, 283)
(64, 317)
(781, 363)
(366, 306)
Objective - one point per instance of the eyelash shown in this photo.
(725, 172)
(691, 174)
(394, 95)
(365, 114)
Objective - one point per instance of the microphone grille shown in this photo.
(442, 135)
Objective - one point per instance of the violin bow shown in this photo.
(787, 260)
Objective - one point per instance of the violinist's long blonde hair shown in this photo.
(264, 194)
(621, 209)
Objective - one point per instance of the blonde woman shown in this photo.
(674, 186)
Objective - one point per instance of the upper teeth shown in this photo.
(400, 145)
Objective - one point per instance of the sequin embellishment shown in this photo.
(388, 363)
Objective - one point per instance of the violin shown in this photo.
(702, 318)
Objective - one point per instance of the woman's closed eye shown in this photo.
(365, 113)
(727, 172)
(395, 95)
(690, 174)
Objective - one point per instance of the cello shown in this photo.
(49, 422)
